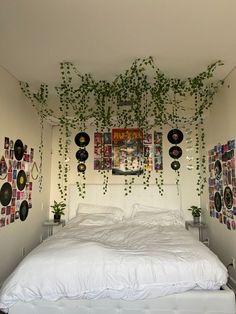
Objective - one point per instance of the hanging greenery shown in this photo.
(142, 97)
(39, 102)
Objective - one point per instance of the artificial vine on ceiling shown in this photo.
(152, 100)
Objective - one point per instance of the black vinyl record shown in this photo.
(81, 167)
(24, 209)
(228, 197)
(175, 152)
(217, 201)
(175, 136)
(5, 194)
(218, 169)
(82, 139)
(82, 155)
(175, 165)
(18, 149)
(21, 180)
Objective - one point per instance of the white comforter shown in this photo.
(116, 261)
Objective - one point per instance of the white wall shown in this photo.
(188, 178)
(19, 120)
(221, 127)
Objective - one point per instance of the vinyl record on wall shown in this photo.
(18, 149)
(5, 194)
(81, 167)
(82, 139)
(175, 152)
(21, 180)
(228, 197)
(217, 201)
(218, 169)
(175, 136)
(24, 209)
(82, 155)
(175, 165)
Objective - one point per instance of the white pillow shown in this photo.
(102, 209)
(144, 208)
(95, 219)
(161, 218)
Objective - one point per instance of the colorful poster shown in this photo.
(127, 147)
(222, 184)
(158, 156)
(102, 151)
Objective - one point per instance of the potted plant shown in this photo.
(196, 212)
(58, 210)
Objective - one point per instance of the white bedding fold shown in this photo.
(117, 261)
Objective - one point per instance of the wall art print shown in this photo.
(102, 151)
(151, 157)
(16, 188)
(222, 184)
(127, 145)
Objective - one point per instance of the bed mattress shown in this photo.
(117, 261)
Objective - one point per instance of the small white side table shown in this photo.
(51, 225)
(189, 224)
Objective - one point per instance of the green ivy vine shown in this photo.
(143, 96)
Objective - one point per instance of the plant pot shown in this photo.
(196, 220)
(57, 217)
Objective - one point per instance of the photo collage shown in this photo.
(111, 149)
(222, 184)
(16, 188)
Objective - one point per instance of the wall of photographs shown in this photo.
(16, 169)
(222, 184)
(128, 151)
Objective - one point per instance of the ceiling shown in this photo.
(103, 37)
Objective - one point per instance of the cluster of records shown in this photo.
(16, 191)
(175, 137)
(82, 139)
(222, 184)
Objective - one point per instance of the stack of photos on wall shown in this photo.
(16, 184)
(127, 151)
(222, 184)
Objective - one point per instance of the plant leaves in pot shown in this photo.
(58, 210)
(196, 213)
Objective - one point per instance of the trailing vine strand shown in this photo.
(143, 96)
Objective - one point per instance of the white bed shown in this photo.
(103, 263)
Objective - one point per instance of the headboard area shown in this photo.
(115, 196)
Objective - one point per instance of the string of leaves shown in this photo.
(143, 96)
(39, 102)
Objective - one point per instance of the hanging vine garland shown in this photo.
(39, 102)
(141, 97)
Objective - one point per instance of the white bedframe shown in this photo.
(191, 302)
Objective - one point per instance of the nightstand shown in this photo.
(200, 227)
(53, 226)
